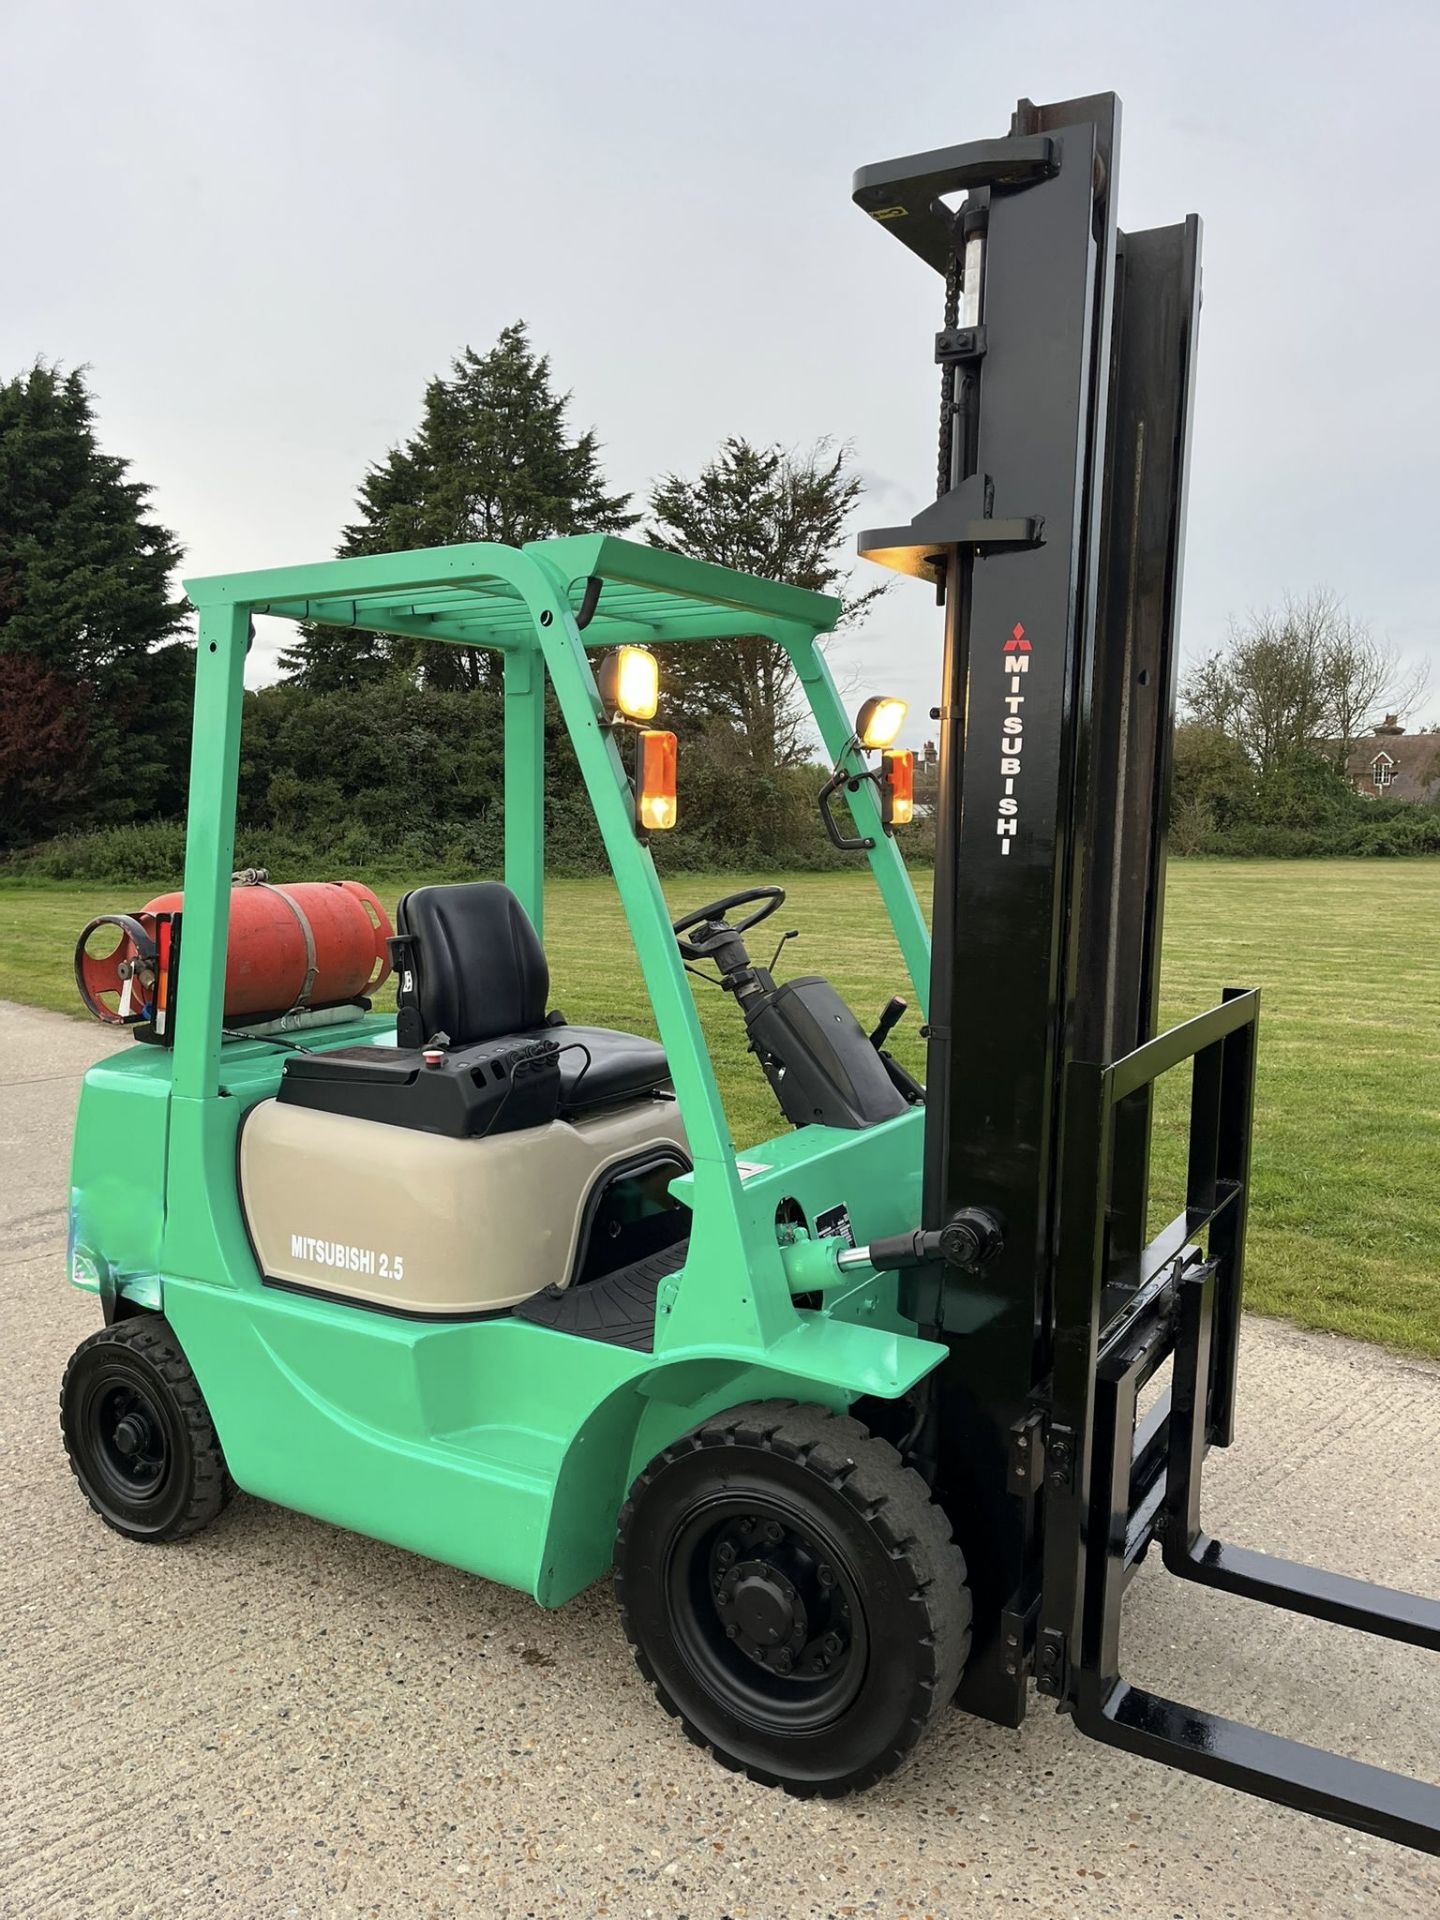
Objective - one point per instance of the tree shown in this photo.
(1362, 679)
(1308, 676)
(44, 745)
(1214, 782)
(774, 513)
(86, 612)
(1305, 791)
(492, 459)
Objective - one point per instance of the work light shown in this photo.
(630, 683)
(879, 720)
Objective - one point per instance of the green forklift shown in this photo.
(856, 1413)
(488, 1285)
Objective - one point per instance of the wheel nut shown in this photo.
(732, 1632)
(833, 1644)
(726, 1553)
(783, 1660)
(825, 1576)
(774, 1533)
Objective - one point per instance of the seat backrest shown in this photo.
(476, 964)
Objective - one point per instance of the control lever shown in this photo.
(793, 934)
(904, 1082)
(891, 1014)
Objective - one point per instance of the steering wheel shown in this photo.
(769, 897)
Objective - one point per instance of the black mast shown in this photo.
(1056, 544)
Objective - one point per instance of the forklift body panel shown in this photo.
(494, 1444)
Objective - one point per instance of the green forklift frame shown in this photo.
(499, 1446)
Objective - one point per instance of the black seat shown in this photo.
(602, 1067)
(471, 969)
(470, 965)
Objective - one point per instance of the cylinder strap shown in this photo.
(302, 999)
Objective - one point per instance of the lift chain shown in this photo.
(947, 373)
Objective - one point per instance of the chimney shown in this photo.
(1391, 725)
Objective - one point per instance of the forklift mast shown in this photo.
(1055, 546)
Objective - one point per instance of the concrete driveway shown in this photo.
(280, 1719)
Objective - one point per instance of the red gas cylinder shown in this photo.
(315, 944)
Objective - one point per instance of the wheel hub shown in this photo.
(778, 1601)
(764, 1606)
(130, 1443)
(132, 1435)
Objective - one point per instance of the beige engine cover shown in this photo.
(423, 1224)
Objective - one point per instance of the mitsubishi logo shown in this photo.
(1016, 656)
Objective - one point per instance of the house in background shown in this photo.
(927, 778)
(1391, 764)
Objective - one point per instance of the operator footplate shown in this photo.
(618, 1309)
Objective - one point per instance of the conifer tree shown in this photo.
(780, 515)
(492, 459)
(89, 621)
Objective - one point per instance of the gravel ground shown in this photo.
(281, 1719)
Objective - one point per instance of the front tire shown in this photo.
(794, 1596)
(138, 1433)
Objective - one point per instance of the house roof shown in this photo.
(1414, 765)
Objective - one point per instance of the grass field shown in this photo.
(1345, 1222)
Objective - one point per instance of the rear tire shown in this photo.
(138, 1433)
(794, 1596)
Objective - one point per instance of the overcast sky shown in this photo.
(264, 226)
